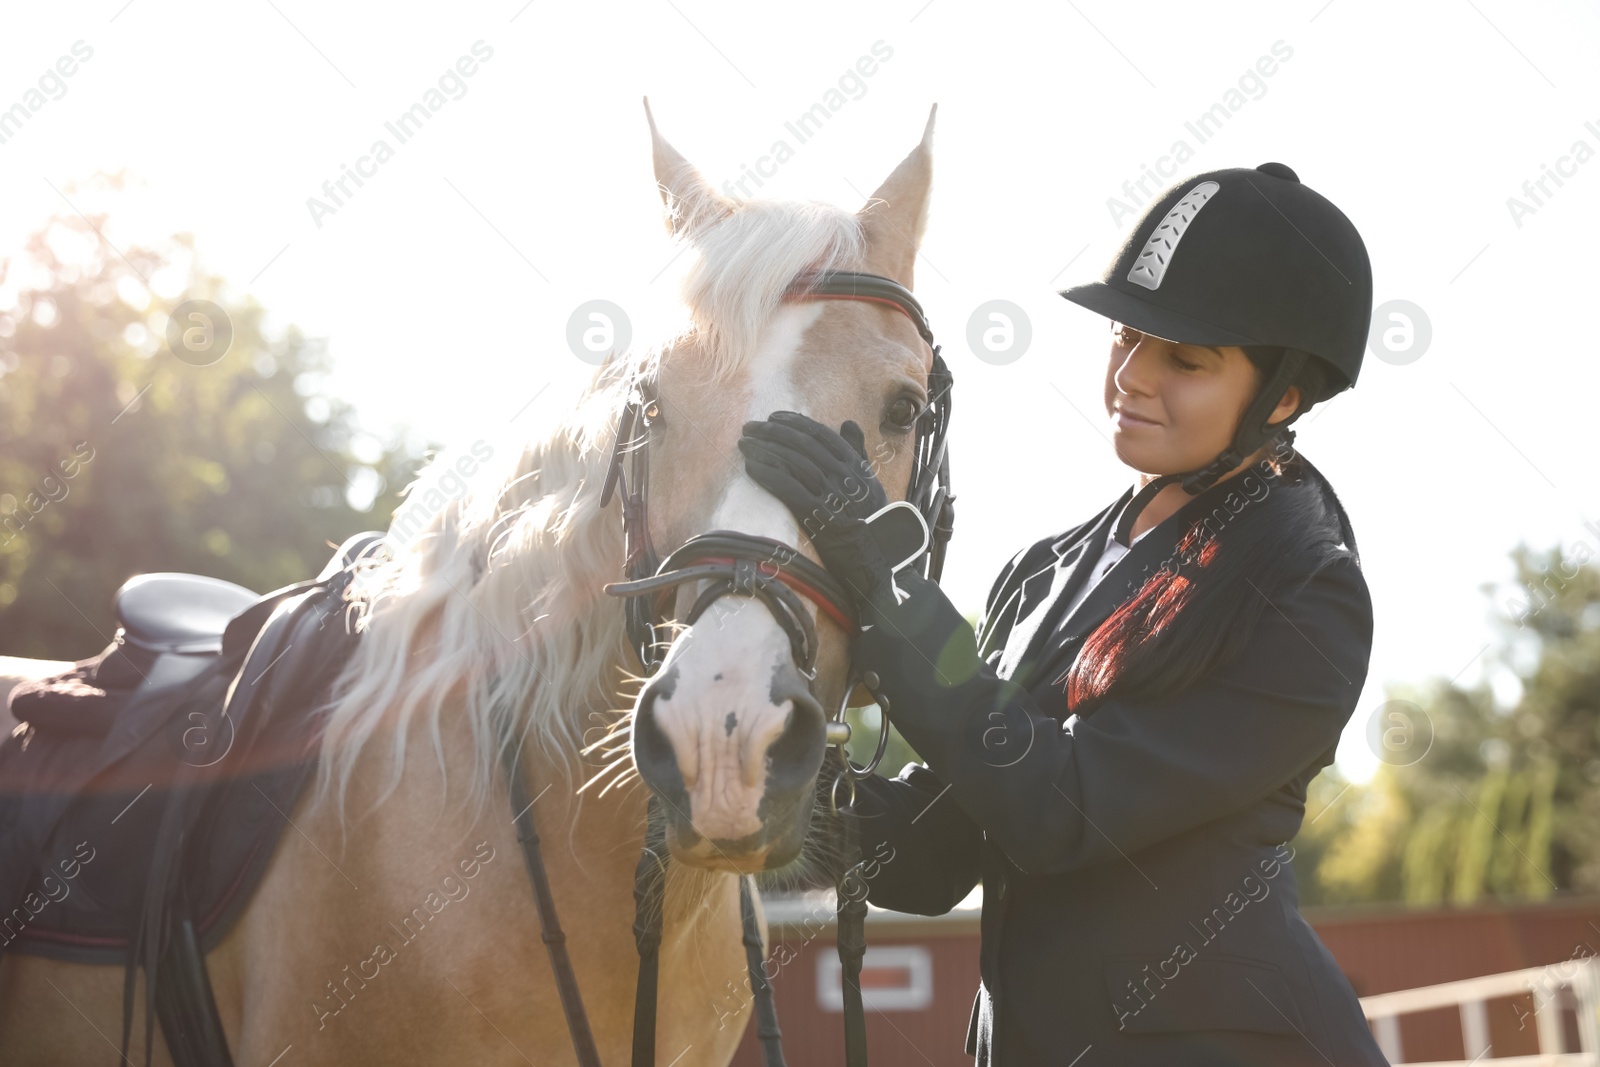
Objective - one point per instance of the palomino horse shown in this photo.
(493, 627)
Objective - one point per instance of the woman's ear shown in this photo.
(1286, 407)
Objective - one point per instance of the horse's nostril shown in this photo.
(795, 755)
(652, 751)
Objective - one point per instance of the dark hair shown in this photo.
(1280, 521)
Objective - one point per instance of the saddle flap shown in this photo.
(85, 700)
(170, 612)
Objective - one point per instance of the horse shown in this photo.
(394, 922)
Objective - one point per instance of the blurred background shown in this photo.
(156, 153)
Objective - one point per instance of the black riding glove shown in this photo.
(827, 481)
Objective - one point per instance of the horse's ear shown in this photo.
(690, 201)
(895, 216)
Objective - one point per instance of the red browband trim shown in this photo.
(826, 606)
(803, 294)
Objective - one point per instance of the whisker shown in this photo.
(618, 780)
(611, 736)
(607, 769)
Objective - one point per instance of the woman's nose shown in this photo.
(1135, 374)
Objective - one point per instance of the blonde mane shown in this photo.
(495, 609)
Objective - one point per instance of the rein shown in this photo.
(740, 564)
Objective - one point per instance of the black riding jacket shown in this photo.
(1138, 900)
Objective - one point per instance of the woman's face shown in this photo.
(1174, 407)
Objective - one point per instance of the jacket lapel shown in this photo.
(1045, 592)
(1120, 583)
(1147, 556)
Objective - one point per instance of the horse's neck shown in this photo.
(396, 859)
(593, 853)
(602, 841)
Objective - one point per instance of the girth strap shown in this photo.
(555, 941)
(186, 1004)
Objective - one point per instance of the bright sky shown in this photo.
(444, 284)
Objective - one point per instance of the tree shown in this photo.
(1504, 801)
(122, 452)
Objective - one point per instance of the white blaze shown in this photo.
(745, 506)
(720, 718)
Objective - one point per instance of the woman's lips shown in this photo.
(1125, 419)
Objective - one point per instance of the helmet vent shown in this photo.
(1151, 265)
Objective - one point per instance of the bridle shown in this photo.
(749, 565)
(740, 564)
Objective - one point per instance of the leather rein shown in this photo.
(740, 564)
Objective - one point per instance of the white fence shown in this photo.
(1570, 985)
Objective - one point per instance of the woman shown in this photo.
(1122, 753)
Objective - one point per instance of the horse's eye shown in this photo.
(902, 414)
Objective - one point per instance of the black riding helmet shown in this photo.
(1251, 258)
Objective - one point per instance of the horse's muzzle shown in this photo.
(737, 779)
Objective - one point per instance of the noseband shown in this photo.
(740, 564)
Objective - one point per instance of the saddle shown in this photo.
(144, 791)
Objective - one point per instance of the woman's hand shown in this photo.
(827, 481)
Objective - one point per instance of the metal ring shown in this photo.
(833, 791)
(849, 768)
(877, 757)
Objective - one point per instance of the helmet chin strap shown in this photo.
(1254, 431)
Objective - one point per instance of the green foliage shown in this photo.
(1505, 805)
(1341, 850)
(116, 457)
(864, 723)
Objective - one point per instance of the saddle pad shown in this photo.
(97, 767)
(76, 842)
